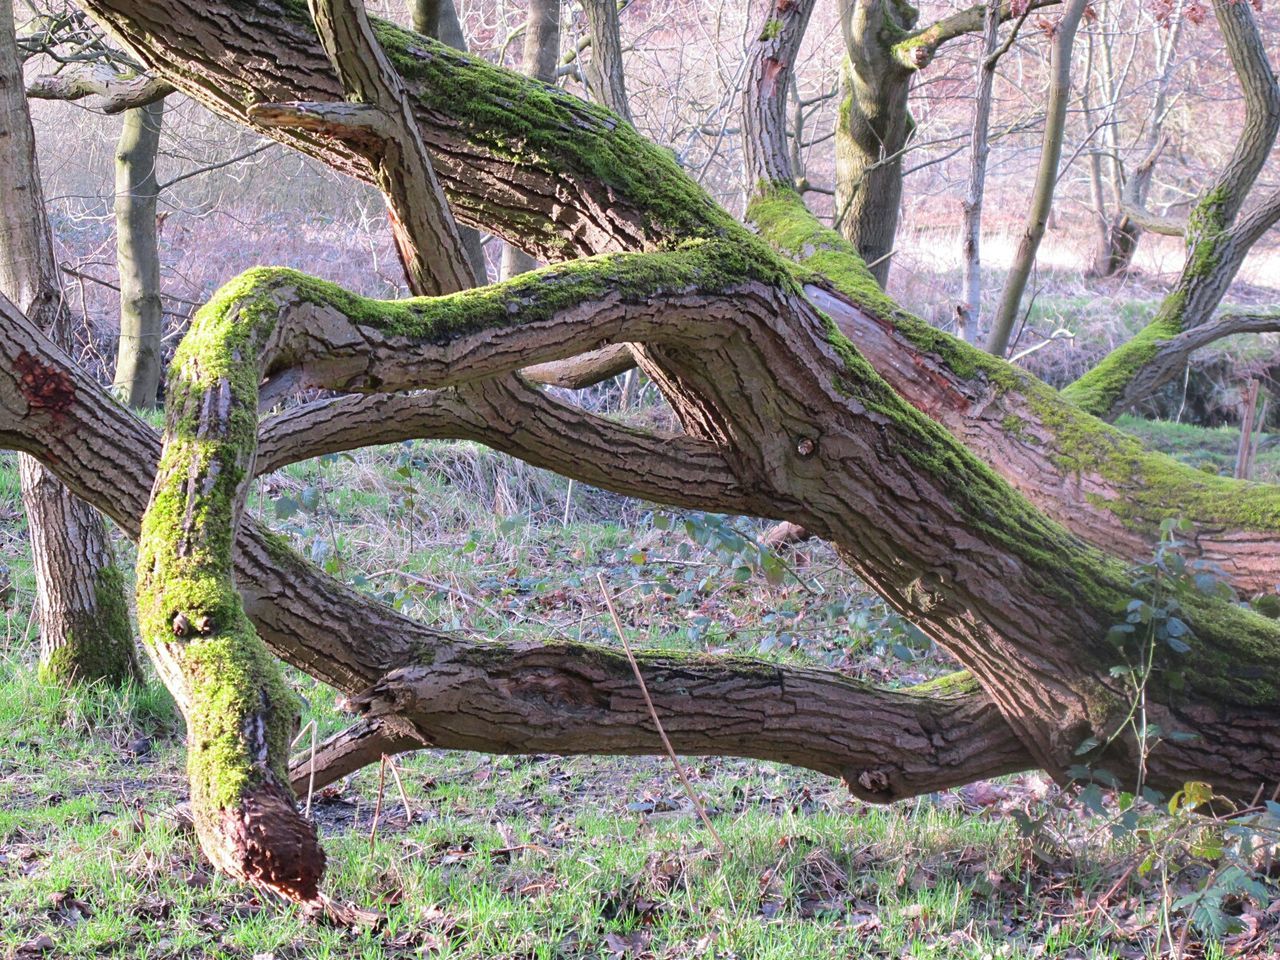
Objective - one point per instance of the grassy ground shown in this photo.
(546, 857)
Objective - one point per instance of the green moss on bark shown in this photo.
(99, 645)
(537, 124)
(240, 712)
(1155, 487)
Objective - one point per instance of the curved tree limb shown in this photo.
(113, 92)
(514, 418)
(1096, 480)
(810, 428)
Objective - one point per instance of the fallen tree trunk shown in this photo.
(784, 412)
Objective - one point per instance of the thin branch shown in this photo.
(653, 714)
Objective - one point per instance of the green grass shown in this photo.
(540, 857)
(1212, 449)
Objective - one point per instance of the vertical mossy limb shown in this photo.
(241, 714)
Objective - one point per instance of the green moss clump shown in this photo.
(240, 712)
(772, 28)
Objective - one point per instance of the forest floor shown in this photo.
(550, 857)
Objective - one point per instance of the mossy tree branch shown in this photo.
(1095, 479)
(1216, 244)
(800, 415)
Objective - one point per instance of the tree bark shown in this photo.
(872, 128)
(605, 77)
(85, 634)
(1046, 178)
(539, 60)
(138, 366)
(885, 49)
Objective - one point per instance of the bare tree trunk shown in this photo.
(872, 129)
(979, 148)
(605, 77)
(540, 57)
(138, 367)
(1046, 178)
(85, 634)
(439, 19)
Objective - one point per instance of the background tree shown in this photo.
(85, 633)
(539, 60)
(138, 359)
(1064, 36)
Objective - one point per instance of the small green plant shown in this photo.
(1193, 839)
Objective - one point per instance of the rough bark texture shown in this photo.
(138, 366)
(107, 90)
(873, 128)
(605, 77)
(85, 634)
(768, 154)
(783, 412)
(1099, 482)
(439, 19)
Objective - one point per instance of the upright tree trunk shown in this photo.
(605, 78)
(541, 54)
(138, 366)
(1046, 178)
(872, 129)
(85, 633)
(439, 19)
(980, 148)
(1120, 235)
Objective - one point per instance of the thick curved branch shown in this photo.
(1257, 220)
(557, 177)
(1171, 355)
(1096, 480)
(344, 342)
(514, 418)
